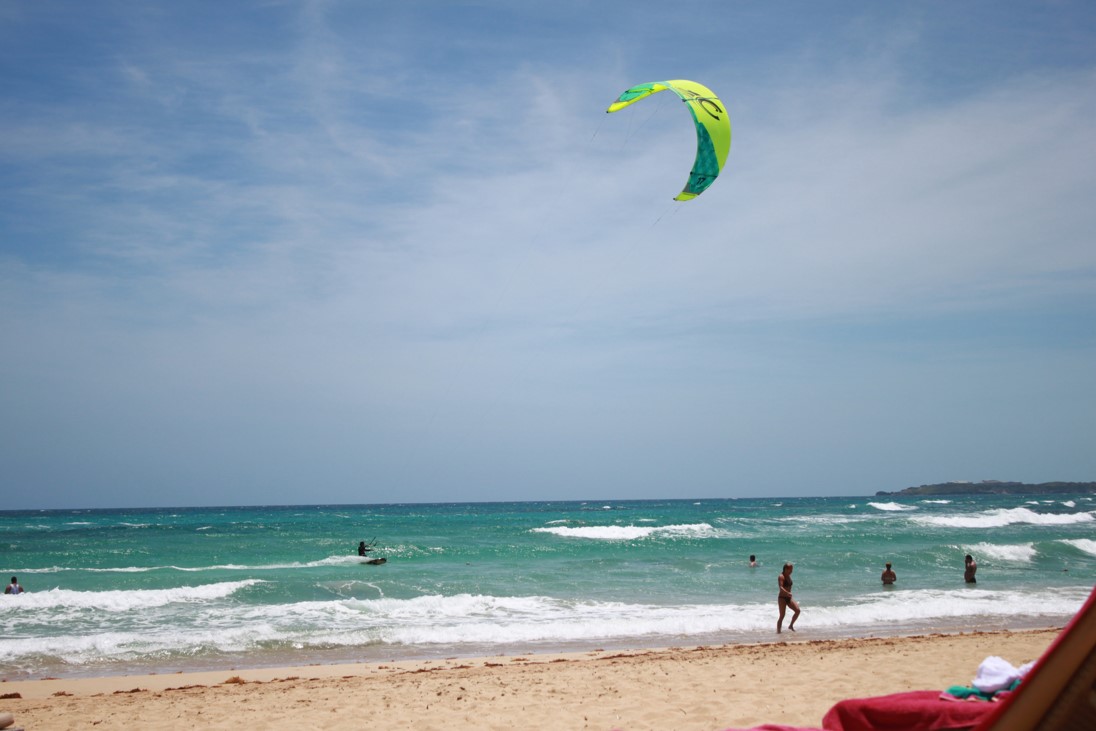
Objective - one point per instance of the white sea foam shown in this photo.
(1021, 553)
(132, 644)
(892, 506)
(630, 532)
(493, 621)
(1069, 503)
(1082, 544)
(823, 519)
(938, 502)
(123, 600)
(1001, 517)
(936, 605)
(336, 560)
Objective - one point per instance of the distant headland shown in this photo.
(996, 487)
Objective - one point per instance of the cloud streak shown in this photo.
(250, 268)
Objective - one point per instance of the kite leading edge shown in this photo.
(713, 128)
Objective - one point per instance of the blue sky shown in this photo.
(347, 252)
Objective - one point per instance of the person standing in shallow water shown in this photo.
(968, 572)
(784, 598)
(889, 577)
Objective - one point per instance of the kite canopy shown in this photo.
(713, 128)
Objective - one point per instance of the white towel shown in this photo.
(996, 674)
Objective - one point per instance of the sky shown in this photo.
(360, 252)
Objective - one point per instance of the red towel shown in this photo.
(921, 710)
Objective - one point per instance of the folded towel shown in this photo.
(996, 674)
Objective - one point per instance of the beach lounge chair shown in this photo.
(1057, 694)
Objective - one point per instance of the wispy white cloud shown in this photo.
(308, 258)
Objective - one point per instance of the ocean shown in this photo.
(166, 590)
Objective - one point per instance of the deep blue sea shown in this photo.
(137, 591)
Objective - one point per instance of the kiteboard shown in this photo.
(375, 561)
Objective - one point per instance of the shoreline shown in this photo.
(791, 680)
(260, 660)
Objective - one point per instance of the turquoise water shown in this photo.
(121, 591)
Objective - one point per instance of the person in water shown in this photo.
(753, 561)
(889, 577)
(971, 568)
(362, 550)
(784, 597)
(13, 587)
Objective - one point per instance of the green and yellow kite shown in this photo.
(713, 128)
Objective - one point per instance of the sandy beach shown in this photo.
(793, 681)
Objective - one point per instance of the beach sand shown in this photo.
(791, 682)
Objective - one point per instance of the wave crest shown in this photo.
(630, 532)
(1001, 517)
(892, 507)
(125, 600)
(1021, 553)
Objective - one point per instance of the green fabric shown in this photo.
(966, 691)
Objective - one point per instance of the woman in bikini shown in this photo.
(784, 598)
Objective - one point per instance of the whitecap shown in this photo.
(125, 600)
(629, 532)
(1082, 544)
(823, 519)
(1001, 517)
(336, 560)
(1018, 553)
(889, 507)
(934, 605)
